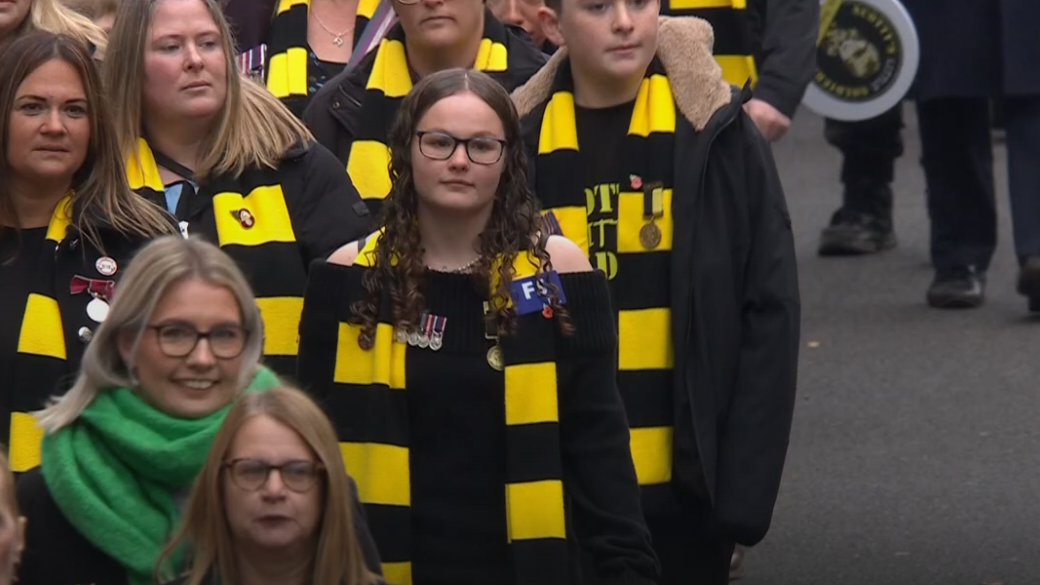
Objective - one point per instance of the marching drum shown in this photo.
(867, 54)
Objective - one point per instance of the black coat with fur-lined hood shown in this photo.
(735, 307)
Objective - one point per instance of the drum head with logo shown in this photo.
(867, 55)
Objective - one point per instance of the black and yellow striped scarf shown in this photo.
(388, 83)
(375, 440)
(731, 22)
(266, 250)
(41, 349)
(637, 273)
(285, 72)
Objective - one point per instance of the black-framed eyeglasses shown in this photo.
(482, 150)
(177, 340)
(298, 475)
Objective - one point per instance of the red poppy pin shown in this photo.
(244, 217)
(637, 183)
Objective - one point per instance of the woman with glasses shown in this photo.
(121, 449)
(467, 360)
(273, 503)
(226, 158)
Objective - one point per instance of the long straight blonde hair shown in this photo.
(204, 529)
(254, 128)
(158, 266)
(54, 17)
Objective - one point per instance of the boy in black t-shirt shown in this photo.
(642, 154)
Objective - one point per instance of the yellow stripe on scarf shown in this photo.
(142, 170)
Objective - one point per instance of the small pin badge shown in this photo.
(636, 181)
(184, 229)
(547, 311)
(244, 217)
(106, 266)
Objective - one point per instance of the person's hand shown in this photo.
(770, 122)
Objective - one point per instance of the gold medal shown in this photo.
(494, 358)
(650, 236)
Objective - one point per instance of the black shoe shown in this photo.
(853, 233)
(1029, 282)
(957, 288)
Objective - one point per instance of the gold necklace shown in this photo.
(337, 38)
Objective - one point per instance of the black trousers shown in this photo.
(957, 157)
(690, 552)
(869, 150)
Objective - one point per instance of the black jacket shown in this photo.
(976, 48)
(303, 210)
(734, 285)
(333, 112)
(783, 34)
(36, 377)
(57, 554)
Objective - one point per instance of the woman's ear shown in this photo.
(125, 342)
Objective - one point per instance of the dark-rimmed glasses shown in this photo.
(251, 474)
(177, 340)
(482, 150)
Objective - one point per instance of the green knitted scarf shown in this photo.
(114, 472)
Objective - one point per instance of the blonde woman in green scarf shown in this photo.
(181, 341)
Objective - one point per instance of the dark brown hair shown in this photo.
(100, 191)
(514, 227)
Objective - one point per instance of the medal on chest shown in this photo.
(653, 209)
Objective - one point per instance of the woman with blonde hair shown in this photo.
(226, 157)
(300, 526)
(21, 16)
(69, 224)
(121, 449)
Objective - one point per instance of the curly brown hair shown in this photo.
(515, 225)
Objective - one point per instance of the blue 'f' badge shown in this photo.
(530, 296)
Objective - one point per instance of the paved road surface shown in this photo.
(915, 455)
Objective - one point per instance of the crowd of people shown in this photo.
(339, 313)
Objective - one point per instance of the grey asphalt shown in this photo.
(915, 453)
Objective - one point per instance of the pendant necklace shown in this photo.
(337, 38)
